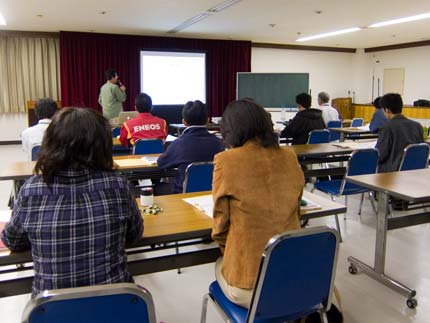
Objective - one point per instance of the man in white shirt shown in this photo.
(44, 109)
(328, 112)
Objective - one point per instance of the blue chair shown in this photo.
(198, 177)
(321, 136)
(125, 303)
(357, 122)
(334, 135)
(148, 146)
(415, 156)
(35, 152)
(116, 131)
(361, 162)
(295, 279)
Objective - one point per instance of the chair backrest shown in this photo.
(363, 162)
(148, 146)
(321, 136)
(296, 275)
(116, 131)
(415, 156)
(334, 135)
(35, 152)
(125, 303)
(198, 177)
(357, 122)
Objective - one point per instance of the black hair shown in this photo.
(45, 108)
(245, 120)
(195, 113)
(304, 99)
(110, 74)
(392, 102)
(76, 139)
(143, 102)
(376, 103)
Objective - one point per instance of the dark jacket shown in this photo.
(393, 138)
(195, 144)
(304, 122)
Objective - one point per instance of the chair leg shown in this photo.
(323, 317)
(204, 309)
(177, 253)
(346, 204)
(338, 227)
(372, 202)
(361, 204)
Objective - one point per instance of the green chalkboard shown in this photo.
(272, 90)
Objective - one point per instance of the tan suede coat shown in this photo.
(256, 195)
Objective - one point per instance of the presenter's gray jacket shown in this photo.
(111, 99)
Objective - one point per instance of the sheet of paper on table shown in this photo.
(310, 205)
(204, 203)
(144, 161)
(356, 145)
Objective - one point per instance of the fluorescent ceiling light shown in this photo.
(401, 20)
(333, 33)
(188, 23)
(2, 21)
(223, 5)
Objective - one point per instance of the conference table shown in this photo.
(411, 186)
(177, 237)
(136, 168)
(354, 133)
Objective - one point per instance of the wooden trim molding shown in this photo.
(303, 47)
(10, 142)
(19, 33)
(398, 46)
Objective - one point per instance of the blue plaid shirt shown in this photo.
(77, 228)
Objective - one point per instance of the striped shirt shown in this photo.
(77, 228)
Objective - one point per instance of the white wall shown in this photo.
(415, 61)
(328, 71)
(338, 73)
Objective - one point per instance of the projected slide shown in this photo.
(173, 77)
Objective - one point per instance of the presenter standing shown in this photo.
(112, 95)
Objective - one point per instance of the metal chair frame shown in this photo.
(50, 296)
(272, 245)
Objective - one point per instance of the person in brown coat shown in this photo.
(257, 187)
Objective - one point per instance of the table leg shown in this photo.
(377, 272)
(342, 137)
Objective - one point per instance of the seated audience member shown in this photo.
(257, 187)
(379, 119)
(396, 134)
(306, 120)
(44, 110)
(195, 144)
(144, 125)
(328, 112)
(76, 214)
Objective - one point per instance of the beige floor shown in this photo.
(178, 297)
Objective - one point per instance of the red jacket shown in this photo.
(143, 126)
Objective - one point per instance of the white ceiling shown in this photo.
(247, 20)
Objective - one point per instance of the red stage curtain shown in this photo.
(84, 57)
